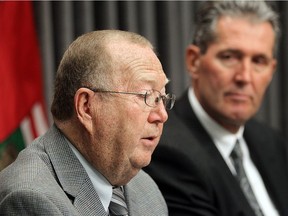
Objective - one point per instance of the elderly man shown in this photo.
(109, 108)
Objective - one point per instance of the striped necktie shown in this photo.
(237, 156)
(117, 205)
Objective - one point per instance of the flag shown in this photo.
(22, 110)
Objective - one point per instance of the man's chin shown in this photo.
(139, 164)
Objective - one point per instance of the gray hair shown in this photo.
(211, 11)
(87, 62)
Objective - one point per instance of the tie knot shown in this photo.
(236, 153)
(118, 205)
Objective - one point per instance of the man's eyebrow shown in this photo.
(231, 50)
(239, 52)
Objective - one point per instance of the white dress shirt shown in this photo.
(225, 141)
(100, 183)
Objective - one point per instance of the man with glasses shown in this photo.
(213, 158)
(109, 108)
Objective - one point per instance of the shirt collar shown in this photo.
(223, 139)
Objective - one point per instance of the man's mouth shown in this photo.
(240, 97)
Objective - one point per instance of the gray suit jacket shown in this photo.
(48, 179)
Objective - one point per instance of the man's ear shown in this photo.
(193, 60)
(82, 102)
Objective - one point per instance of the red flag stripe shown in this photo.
(20, 65)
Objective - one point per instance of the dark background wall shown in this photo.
(167, 24)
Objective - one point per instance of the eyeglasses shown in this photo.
(152, 97)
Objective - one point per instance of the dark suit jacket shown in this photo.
(48, 179)
(194, 177)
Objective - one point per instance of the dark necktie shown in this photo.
(236, 156)
(117, 205)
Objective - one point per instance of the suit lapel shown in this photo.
(72, 176)
(132, 201)
(185, 112)
(269, 160)
(87, 201)
(217, 165)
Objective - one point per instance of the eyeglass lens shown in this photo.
(152, 99)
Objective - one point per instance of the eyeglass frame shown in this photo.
(167, 97)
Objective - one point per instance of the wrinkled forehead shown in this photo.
(224, 23)
(134, 57)
(127, 51)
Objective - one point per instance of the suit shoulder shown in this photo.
(255, 128)
(174, 129)
(29, 169)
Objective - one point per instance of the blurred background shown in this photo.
(34, 36)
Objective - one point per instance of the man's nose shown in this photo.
(244, 72)
(158, 114)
